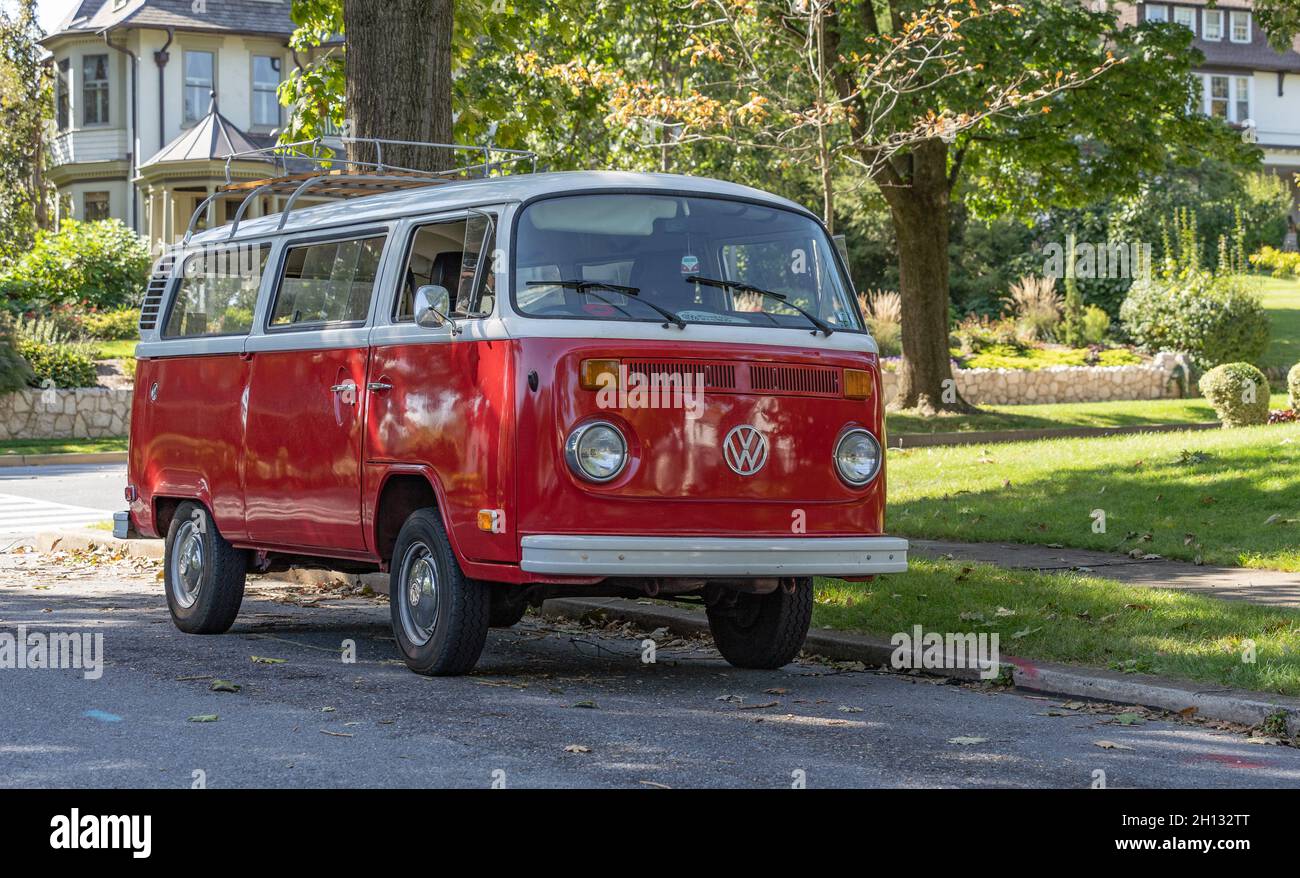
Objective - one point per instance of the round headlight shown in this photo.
(596, 452)
(857, 457)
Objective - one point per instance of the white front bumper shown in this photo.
(713, 556)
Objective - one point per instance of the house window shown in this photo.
(1240, 23)
(266, 79)
(1228, 98)
(61, 95)
(1186, 16)
(1213, 25)
(94, 90)
(1157, 12)
(96, 206)
(200, 79)
(1219, 103)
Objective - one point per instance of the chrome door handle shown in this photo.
(379, 386)
(340, 388)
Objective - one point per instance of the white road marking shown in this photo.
(23, 515)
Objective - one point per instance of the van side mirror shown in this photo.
(432, 307)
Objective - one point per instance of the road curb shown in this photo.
(62, 459)
(1042, 678)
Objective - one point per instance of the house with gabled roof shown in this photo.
(152, 96)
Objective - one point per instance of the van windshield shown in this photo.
(615, 257)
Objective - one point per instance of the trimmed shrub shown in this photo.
(101, 264)
(53, 357)
(1238, 392)
(1213, 319)
(118, 325)
(1280, 262)
(1096, 325)
(1293, 386)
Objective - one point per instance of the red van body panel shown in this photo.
(676, 482)
(286, 466)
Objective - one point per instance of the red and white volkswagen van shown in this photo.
(515, 388)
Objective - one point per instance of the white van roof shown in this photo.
(491, 190)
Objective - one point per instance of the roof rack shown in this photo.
(309, 166)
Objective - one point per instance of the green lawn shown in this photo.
(1207, 494)
(62, 446)
(1076, 414)
(116, 350)
(1082, 619)
(1282, 300)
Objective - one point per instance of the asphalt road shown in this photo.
(551, 705)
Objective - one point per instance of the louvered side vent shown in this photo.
(716, 376)
(153, 294)
(795, 380)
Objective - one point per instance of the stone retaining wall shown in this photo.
(1157, 379)
(84, 413)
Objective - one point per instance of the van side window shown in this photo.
(329, 282)
(456, 255)
(218, 292)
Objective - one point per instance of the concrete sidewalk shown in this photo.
(1268, 587)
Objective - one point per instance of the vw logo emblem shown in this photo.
(745, 450)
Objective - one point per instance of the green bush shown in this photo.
(101, 265)
(1280, 263)
(1293, 386)
(54, 357)
(1214, 319)
(1096, 325)
(15, 373)
(120, 324)
(1238, 392)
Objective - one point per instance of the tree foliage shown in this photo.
(25, 108)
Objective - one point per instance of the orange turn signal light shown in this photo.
(595, 374)
(858, 384)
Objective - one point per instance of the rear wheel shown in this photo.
(440, 616)
(203, 573)
(763, 630)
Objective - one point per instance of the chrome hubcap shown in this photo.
(187, 565)
(418, 608)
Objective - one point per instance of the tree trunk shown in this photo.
(920, 209)
(398, 72)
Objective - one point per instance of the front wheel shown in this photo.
(440, 616)
(203, 573)
(763, 631)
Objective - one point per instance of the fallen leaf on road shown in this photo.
(776, 690)
(1111, 745)
(224, 686)
(762, 706)
(336, 734)
(263, 660)
(589, 705)
(1074, 705)
(1129, 719)
(660, 786)
(1188, 712)
(966, 741)
(204, 718)
(730, 699)
(844, 708)
(577, 748)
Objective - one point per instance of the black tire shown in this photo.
(444, 638)
(203, 574)
(763, 631)
(507, 606)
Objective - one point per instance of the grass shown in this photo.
(61, 446)
(1081, 619)
(1074, 414)
(1281, 297)
(1205, 495)
(123, 349)
(1008, 357)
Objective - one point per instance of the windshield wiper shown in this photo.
(741, 286)
(586, 286)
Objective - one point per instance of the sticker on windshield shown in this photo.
(709, 317)
(599, 309)
(690, 264)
